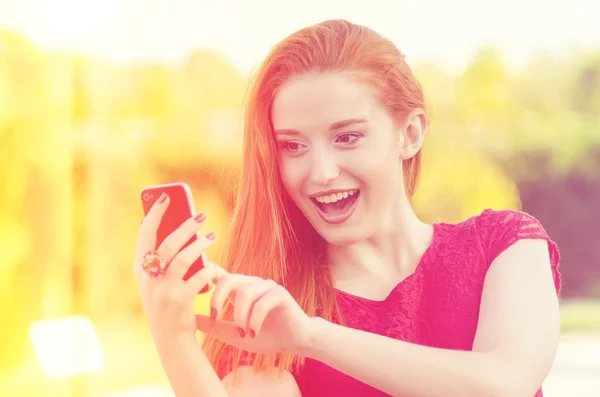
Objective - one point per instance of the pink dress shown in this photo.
(437, 305)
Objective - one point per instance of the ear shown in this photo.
(413, 133)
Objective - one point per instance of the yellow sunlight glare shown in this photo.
(66, 23)
(144, 391)
(66, 346)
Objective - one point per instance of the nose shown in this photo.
(324, 167)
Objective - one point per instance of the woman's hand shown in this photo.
(266, 317)
(168, 300)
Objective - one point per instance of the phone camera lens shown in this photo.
(146, 196)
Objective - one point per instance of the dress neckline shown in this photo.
(408, 279)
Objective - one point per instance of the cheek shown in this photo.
(379, 163)
(291, 176)
(381, 172)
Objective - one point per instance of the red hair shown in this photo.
(269, 237)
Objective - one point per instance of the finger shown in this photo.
(186, 257)
(207, 275)
(180, 236)
(245, 297)
(267, 303)
(209, 263)
(223, 330)
(226, 286)
(148, 228)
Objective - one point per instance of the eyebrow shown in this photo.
(335, 126)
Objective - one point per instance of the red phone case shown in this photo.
(181, 208)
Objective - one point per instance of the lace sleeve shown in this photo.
(504, 228)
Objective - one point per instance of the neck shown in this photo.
(395, 248)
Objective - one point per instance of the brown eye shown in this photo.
(290, 146)
(348, 138)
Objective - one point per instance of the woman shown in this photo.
(333, 286)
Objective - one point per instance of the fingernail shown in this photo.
(210, 236)
(162, 198)
(241, 332)
(251, 333)
(200, 218)
(213, 314)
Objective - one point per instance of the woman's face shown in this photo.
(340, 154)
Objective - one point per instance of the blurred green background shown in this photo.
(82, 133)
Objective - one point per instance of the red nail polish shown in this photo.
(241, 332)
(213, 314)
(251, 333)
(210, 236)
(162, 198)
(200, 218)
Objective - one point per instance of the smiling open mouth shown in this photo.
(337, 207)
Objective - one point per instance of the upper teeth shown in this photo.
(332, 198)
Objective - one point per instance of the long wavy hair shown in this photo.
(269, 237)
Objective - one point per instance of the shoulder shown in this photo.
(271, 382)
(501, 230)
(490, 219)
(495, 230)
(492, 232)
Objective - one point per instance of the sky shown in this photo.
(448, 32)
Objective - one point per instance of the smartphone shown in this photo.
(181, 208)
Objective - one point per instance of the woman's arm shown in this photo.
(270, 383)
(188, 369)
(513, 351)
(191, 375)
